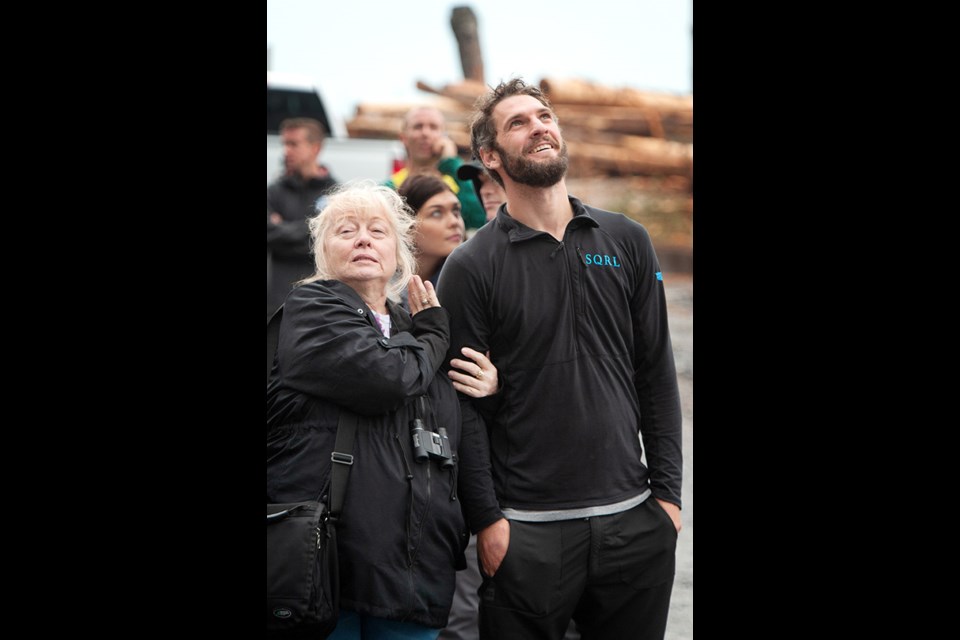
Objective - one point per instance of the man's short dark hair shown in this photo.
(315, 130)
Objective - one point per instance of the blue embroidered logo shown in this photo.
(600, 260)
(659, 275)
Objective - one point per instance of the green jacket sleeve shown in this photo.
(472, 211)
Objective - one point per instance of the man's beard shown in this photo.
(533, 173)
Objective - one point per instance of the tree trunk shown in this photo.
(609, 131)
(619, 119)
(658, 108)
(465, 93)
(633, 156)
(400, 109)
(464, 24)
(375, 126)
(387, 127)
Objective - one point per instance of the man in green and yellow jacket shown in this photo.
(431, 151)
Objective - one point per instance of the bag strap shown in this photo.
(342, 458)
(273, 337)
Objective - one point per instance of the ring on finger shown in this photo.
(479, 374)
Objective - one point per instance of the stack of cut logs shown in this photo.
(609, 131)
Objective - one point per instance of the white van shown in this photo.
(291, 95)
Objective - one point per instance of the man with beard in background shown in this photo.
(569, 302)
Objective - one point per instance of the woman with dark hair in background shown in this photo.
(440, 230)
(439, 224)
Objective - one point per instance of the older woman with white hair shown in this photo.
(346, 345)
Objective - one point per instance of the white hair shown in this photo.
(364, 197)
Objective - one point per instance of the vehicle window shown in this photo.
(289, 103)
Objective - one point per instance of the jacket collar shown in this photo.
(398, 315)
(296, 180)
(517, 231)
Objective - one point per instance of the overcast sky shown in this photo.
(375, 51)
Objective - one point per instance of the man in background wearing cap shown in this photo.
(490, 193)
(431, 151)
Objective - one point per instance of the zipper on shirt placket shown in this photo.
(575, 307)
(583, 281)
(573, 292)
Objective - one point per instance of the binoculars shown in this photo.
(427, 444)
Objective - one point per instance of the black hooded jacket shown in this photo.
(401, 534)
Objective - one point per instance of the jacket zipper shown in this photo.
(409, 517)
(453, 479)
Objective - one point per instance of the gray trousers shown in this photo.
(464, 615)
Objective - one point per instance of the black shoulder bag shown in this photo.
(303, 582)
